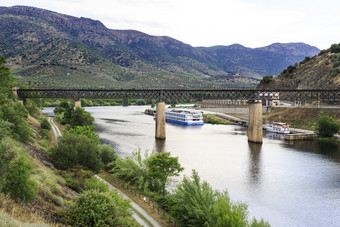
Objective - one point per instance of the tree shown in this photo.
(162, 166)
(81, 118)
(326, 126)
(107, 154)
(6, 78)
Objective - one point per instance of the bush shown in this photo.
(267, 79)
(72, 150)
(18, 183)
(32, 108)
(45, 124)
(94, 184)
(87, 131)
(140, 102)
(326, 126)
(6, 155)
(335, 48)
(107, 154)
(94, 208)
(16, 114)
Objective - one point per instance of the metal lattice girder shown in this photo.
(330, 96)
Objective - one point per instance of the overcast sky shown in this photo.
(252, 23)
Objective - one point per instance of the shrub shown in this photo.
(94, 184)
(94, 208)
(18, 183)
(140, 102)
(6, 155)
(326, 126)
(87, 131)
(72, 150)
(45, 124)
(335, 48)
(107, 154)
(16, 114)
(32, 108)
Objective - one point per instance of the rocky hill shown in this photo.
(319, 72)
(46, 48)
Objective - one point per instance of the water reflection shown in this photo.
(159, 145)
(328, 150)
(254, 163)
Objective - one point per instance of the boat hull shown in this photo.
(184, 123)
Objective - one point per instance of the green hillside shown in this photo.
(48, 49)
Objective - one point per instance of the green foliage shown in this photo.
(72, 150)
(197, 204)
(32, 108)
(134, 171)
(125, 102)
(107, 154)
(16, 114)
(267, 79)
(335, 48)
(87, 131)
(81, 118)
(45, 124)
(18, 183)
(162, 166)
(140, 102)
(94, 184)
(95, 208)
(326, 126)
(6, 78)
(212, 119)
(6, 155)
(64, 112)
(307, 59)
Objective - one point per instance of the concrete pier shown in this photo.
(160, 120)
(255, 133)
(77, 103)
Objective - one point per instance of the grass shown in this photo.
(20, 215)
(212, 119)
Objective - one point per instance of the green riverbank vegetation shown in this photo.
(212, 119)
(52, 184)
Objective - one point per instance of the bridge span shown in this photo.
(253, 96)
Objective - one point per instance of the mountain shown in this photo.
(319, 72)
(45, 48)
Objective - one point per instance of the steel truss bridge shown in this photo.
(307, 95)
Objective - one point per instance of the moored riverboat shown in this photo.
(277, 127)
(184, 117)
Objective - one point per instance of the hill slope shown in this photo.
(319, 72)
(45, 48)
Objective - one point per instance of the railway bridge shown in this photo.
(253, 96)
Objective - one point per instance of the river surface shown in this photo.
(287, 184)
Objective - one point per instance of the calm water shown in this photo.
(287, 184)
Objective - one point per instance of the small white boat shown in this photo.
(184, 117)
(277, 127)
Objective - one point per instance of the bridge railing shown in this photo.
(329, 96)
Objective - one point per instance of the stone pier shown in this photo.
(160, 120)
(77, 103)
(255, 132)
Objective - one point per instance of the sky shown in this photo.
(251, 23)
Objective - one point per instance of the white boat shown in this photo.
(184, 117)
(277, 127)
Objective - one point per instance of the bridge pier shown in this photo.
(255, 133)
(77, 103)
(160, 120)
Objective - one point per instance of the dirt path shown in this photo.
(55, 129)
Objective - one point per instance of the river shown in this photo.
(287, 184)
